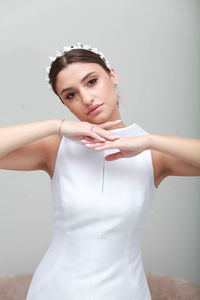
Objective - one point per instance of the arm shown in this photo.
(27, 146)
(180, 156)
(185, 149)
(13, 137)
(174, 155)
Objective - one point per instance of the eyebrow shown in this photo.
(84, 78)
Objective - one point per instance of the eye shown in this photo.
(68, 96)
(93, 81)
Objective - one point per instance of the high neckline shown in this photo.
(122, 128)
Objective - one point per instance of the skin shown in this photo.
(98, 88)
(171, 155)
(34, 146)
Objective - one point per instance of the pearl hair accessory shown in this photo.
(79, 45)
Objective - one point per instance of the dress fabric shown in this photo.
(100, 209)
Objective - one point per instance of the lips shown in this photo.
(93, 108)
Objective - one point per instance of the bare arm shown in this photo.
(13, 137)
(184, 149)
(174, 155)
(27, 146)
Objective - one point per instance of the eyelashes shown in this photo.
(92, 81)
(95, 80)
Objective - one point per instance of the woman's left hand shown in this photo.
(129, 146)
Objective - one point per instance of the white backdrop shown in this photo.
(154, 46)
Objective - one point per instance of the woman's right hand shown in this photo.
(78, 130)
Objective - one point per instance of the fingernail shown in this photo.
(114, 136)
(102, 139)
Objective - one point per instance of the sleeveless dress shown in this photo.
(100, 209)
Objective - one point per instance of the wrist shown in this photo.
(150, 141)
(60, 126)
(54, 126)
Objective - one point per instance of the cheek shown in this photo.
(76, 110)
(106, 91)
(104, 85)
(67, 106)
(71, 108)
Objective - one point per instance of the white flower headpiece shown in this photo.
(79, 45)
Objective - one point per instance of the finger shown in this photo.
(90, 141)
(92, 134)
(87, 139)
(93, 145)
(114, 156)
(107, 145)
(105, 134)
(98, 137)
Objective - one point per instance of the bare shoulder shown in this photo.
(52, 144)
(158, 166)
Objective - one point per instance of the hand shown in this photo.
(79, 130)
(128, 147)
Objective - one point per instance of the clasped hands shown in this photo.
(128, 146)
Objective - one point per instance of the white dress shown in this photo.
(100, 208)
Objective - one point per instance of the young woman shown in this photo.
(103, 174)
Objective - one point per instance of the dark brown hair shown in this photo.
(74, 55)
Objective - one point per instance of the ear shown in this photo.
(113, 77)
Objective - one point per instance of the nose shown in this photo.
(86, 97)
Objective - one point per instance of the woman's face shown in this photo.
(83, 85)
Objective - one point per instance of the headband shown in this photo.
(79, 45)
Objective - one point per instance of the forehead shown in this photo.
(74, 72)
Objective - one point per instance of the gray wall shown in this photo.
(154, 46)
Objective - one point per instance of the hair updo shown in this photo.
(74, 55)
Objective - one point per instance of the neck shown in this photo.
(117, 116)
(120, 125)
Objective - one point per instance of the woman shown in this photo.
(101, 201)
